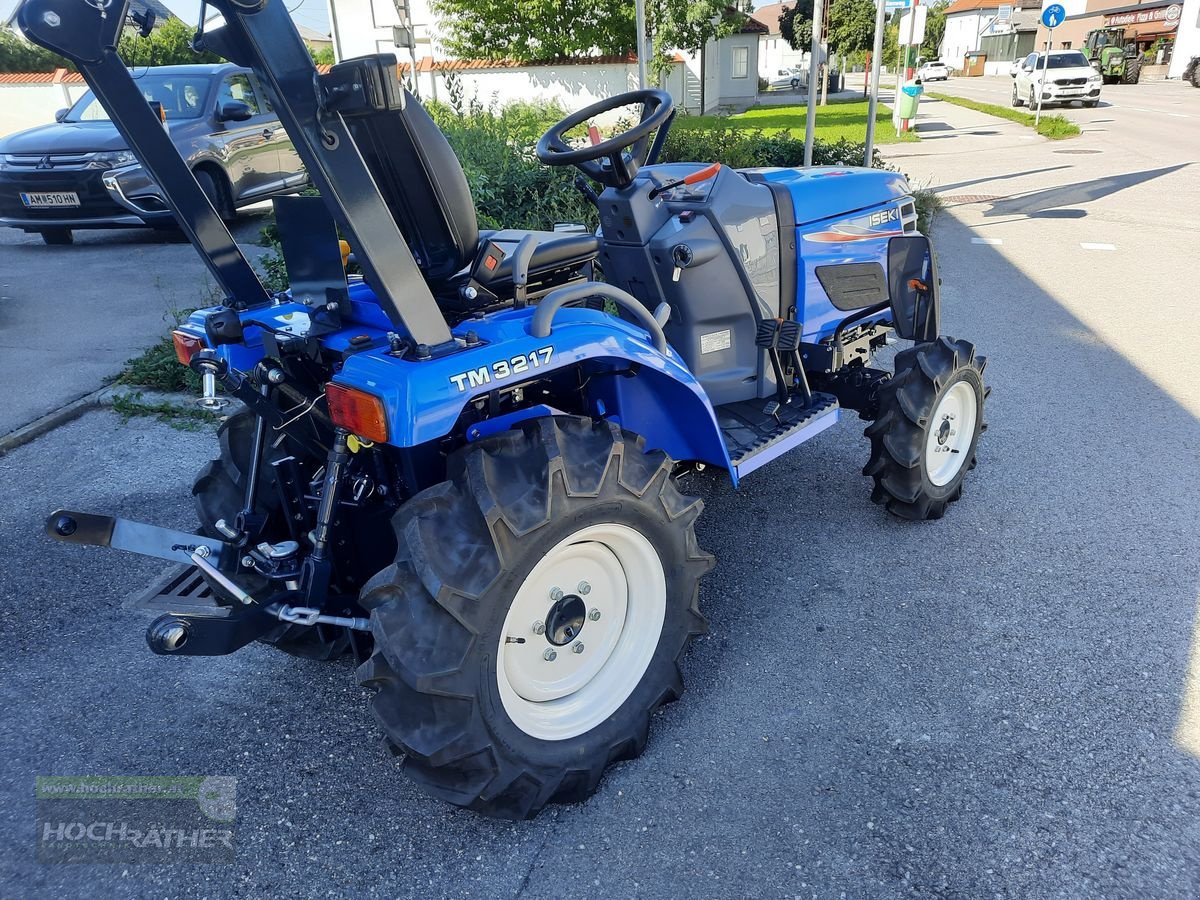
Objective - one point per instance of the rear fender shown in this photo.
(625, 379)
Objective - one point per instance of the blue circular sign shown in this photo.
(1053, 15)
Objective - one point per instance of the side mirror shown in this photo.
(61, 114)
(234, 111)
(914, 287)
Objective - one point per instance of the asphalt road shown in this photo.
(1004, 703)
(1155, 117)
(71, 316)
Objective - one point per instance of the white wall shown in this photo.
(363, 27)
(26, 105)
(721, 88)
(775, 53)
(962, 35)
(571, 86)
(1187, 43)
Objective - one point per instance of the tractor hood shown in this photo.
(65, 137)
(824, 192)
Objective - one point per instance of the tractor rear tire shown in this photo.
(536, 615)
(918, 457)
(218, 493)
(1133, 71)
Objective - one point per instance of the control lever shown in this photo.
(694, 178)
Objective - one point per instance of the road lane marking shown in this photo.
(988, 241)
(1179, 115)
(1098, 246)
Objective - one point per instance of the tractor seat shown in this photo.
(554, 250)
(426, 191)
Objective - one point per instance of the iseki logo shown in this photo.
(883, 217)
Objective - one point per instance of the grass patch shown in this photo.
(929, 204)
(182, 419)
(1054, 127)
(838, 120)
(158, 369)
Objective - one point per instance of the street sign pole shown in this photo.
(813, 67)
(1052, 16)
(1037, 119)
(873, 79)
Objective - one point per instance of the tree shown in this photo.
(544, 30)
(19, 55)
(796, 24)
(535, 30)
(935, 28)
(322, 57)
(169, 44)
(851, 25)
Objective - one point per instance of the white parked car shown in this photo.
(785, 80)
(1060, 76)
(933, 71)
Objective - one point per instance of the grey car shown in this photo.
(78, 172)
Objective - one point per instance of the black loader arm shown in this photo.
(87, 35)
(260, 35)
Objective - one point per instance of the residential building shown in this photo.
(774, 52)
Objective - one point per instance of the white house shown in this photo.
(363, 27)
(966, 23)
(774, 52)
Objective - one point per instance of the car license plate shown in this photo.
(49, 199)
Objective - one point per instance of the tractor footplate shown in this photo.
(193, 622)
(755, 434)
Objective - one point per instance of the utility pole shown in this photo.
(404, 35)
(873, 78)
(825, 54)
(642, 42)
(813, 74)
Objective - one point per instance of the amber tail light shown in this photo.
(186, 346)
(357, 412)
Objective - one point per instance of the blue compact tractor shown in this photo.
(463, 465)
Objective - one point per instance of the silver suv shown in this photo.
(79, 173)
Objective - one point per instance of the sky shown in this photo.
(312, 13)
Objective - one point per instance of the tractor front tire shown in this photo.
(930, 418)
(536, 614)
(1133, 71)
(219, 493)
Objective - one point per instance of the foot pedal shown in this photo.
(767, 337)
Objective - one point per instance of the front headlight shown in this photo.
(112, 159)
(1094, 79)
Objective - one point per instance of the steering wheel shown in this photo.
(616, 161)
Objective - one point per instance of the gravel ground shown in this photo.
(988, 705)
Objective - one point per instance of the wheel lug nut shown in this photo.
(550, 655)
(556, 594)
(594, 614)
(577, 647)
(584, 588)
(539, 627)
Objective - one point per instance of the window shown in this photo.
(1066, 45)
(741, 62)
(181, 96)
(237, 88)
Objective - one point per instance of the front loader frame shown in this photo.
(259, 35)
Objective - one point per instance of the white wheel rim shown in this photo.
(951, 431)
(616, 573)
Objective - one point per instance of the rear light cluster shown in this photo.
(186, 346)
(357, 412)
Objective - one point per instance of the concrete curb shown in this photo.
(105, 397)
